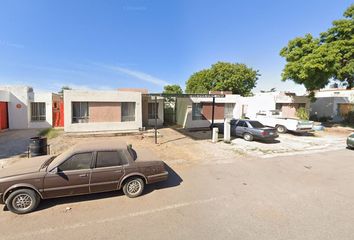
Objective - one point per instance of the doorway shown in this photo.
(4, 118)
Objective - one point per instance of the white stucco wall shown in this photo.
(17, 105)
(335, 93)
(326, 104)
(19, 100)
(48, 100)
(101, 96)
(184, 110)
(266, 102)
(4, 96)
(253, 105)
(328, 107)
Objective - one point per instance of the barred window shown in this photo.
(38, 111)
(153, 110)
(80, 112)
(128, 111)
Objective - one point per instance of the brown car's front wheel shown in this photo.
(22, 201)
(133, 187)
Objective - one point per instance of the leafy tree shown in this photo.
(223, 76)
(314, 62)
(172, 89)
(302, 113)
(61, 92)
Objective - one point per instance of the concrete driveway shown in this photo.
(15, 142)
(290, 144)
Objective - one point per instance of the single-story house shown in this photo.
(130, 109)
(86, 111)
(333, 104)
(195, 110)
(21, 107)
(286, 102)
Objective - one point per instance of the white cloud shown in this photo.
(137, 74)
(10, 44)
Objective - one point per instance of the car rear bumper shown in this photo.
(303, 130)
(158, 177)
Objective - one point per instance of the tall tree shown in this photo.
(61, 92)
(314, 62)
(172, 89)
(223, 76)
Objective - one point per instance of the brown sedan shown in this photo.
(93, 167)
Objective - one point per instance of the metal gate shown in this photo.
(169, 112)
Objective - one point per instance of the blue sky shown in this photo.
(150, 43)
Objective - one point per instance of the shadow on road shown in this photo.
(303, 134)
(173, 180)
(15, 142)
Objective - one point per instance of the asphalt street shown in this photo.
(292, 197)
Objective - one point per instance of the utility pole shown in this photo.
(156, 112)
(212, 112)
(212, 116)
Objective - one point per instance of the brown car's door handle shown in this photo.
(83, 175)
(119, 171)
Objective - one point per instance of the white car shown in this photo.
(282, 124)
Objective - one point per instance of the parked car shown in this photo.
(249, 129)
(282, 124)
(350, 141)
(92, 167)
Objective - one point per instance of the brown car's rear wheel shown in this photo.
(22, 201)
(133, 187)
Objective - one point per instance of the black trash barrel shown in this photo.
(38, 146)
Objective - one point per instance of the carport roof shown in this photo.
(184, 95)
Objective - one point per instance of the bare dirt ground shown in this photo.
(181, 147)
(176, 147)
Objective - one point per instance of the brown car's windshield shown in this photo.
(46, 164)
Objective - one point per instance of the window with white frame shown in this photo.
(229, 110)
(197, 111)
(37, 111)
(80, 112)
(128, 111)
(153, 110)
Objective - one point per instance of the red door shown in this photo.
(3, 116)
(58, 114)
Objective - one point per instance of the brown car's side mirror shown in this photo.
(55, 170)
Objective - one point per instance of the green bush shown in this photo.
(49, 133)
(302, 113)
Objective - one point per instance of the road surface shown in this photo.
(294, 197)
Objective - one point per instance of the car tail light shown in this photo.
(265, 133)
